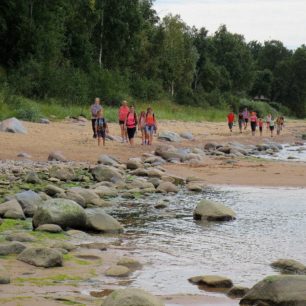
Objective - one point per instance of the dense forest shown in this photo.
(73, 50)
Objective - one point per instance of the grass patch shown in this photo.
(48, 281)
(9, 224)
(42, 236)
(81, 262)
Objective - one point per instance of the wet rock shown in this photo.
(4, 276)
(186, 135)
(11, 248)
(98, 220)
(154, 160)
(12, 125)
(154, 173)
(20, 237)
(24, 155)
(213, 211)
(210, 146)
(169, 153)
(57, 156)
(134, 163)
(154, 181)
(32, 178)
(176, 180)
(63, 212)
(106, 173)
(167, 187)
(41, 257)
(278, 290)
(12, 210)
(105, 192)
(29, 201)
(53, 190)
(129, 263)
(95, 246)
(238, 292)
(64, 245)
(289, 266)
(49, 228)
(62, 173)
(107, 160)
(132, 297)
(140, 183)
(74, 196)
(88, 195)
(117, 271)
(224, 149)
(193, 186)
(169, 136)
(212, 281)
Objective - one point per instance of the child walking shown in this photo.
(260, 125)
(253, 119)
(271, 126)
(151, 126)
(142, 127)
(131, 124)
(230, 120)
(101, 128)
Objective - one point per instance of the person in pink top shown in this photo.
(131, 124)
(260, 125)
(253, 120)
(122, 113)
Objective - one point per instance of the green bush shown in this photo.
(261, 108)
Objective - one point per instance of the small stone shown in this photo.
(11, 248)
(238, 292)
(20, 237)
(167, 187)
(4, 276)
(117, 271)
(32, 178)
(49, 228)
(64, 245)
(95, 246)
(57, 156)
(129, 263)
(213, 281)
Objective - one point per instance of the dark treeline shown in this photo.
(73, 50)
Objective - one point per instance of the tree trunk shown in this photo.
(172, 88)
(101, 39)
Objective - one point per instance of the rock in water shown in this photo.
(278, 290)
(238, 292)
(11, 248)
(57, 156)
(213, 281)
(213, 211)
(99, 220)
(169, 136)
(117, 271)
(167, 187)
(41, 257)
(106, 173)
(12, 125)
(289, 266)
(29, 201)
(129, 263)
(65, 213)
(132, 297)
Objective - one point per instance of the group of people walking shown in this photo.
(129, 123)
(245, 117)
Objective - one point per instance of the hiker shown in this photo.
(271, 126)
(279, 124)
(260, 125)
(246, 116)
(268, 120)
(142, 127)
(230, 120)
(240, 121)
(101, 128)
(151, 126)
(131, 124)
(253, 120)
(94, 109)
(122, 113)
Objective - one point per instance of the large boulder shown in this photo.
(90, 196)
(11, 210)
(53, 191)
(107, 160)
(41, 257)
(132, 297)
(32, 178)
(213, 211)
(278, 290)
(29, 201)
(63, 212)
(106, 173)
(289, 266)
(212, 281)
(62, 173)
(134, 163)
(99, 220)
(12, 125)
(11, 248)
(169, 136)
(169, 153)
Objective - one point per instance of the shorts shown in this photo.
(230, 125)
(253, 126)
(101, 134)
(260, 129)
(271, 128)
(121, 122)
(131, 132)
(246, 120)
(240, 123)
(150, 129)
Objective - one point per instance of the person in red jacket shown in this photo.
(230, 120)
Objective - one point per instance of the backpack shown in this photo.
(100, 126)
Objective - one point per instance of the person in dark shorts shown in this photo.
(131, 124)
(240, 121)
(101, 128)
(230, 121)
(122, 113)
(246, 115)
(253, 120)
(260, 125)
(271, 126)
(94, 109)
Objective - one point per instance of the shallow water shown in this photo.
(271, 224)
